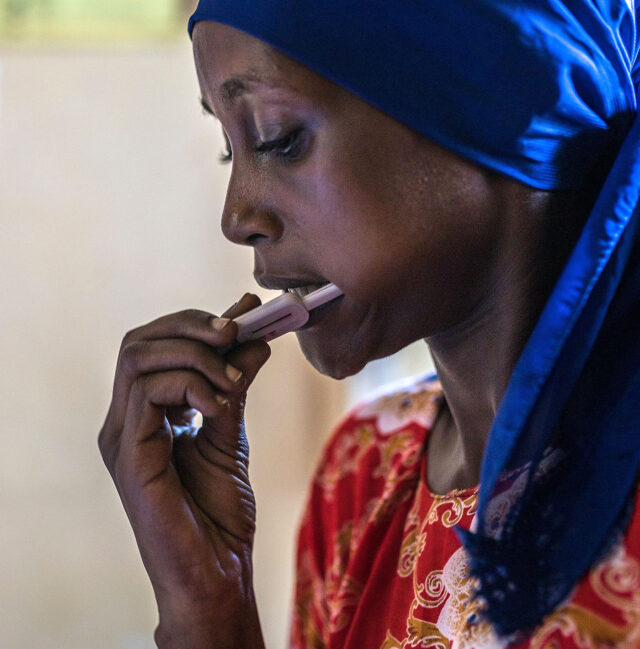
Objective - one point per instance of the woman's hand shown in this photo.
(186, 490)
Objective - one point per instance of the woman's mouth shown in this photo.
(301, 291)
(317, 305)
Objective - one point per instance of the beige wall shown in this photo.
(110, 193)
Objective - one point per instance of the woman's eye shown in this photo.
(226, 155)
(290, 147)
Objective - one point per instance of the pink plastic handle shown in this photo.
(278, 316)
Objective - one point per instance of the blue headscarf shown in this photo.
(546, 92)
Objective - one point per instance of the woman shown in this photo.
(440, 165)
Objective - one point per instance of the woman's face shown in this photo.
(324, 187)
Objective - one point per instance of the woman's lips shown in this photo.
(301, 291)
(283, 283)
(300, 288)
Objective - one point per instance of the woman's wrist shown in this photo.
(239, 629)
(209, 638)
(221, 622)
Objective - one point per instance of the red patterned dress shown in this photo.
(379, 565)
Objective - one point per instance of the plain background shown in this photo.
(110, 195)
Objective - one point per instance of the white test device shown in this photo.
(285, 313)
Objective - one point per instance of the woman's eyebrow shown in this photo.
(237, 86)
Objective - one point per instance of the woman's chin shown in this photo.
(330, 359)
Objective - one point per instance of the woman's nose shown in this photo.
(247, 218)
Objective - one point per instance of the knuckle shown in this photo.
(194, 314)
(192, 386)
(103, 443)
(130, 336)
(141, 390)
(265, 352)
(140, 386)
(107, 448)
(132, 354)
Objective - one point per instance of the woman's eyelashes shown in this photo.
(288, 148)
(226, 155)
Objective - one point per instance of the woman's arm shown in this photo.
(186, 490)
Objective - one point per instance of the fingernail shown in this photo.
(223, 401)
(220, 323)
(233, 374)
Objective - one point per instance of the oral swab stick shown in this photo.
(285, 313)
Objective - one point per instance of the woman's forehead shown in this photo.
(433, 68)
(231, 63)
(242, 57)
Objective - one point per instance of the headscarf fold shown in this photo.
(545, 92)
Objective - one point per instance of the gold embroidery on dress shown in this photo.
(460, 618)
(348, 454)
(412, 547)
(343, 591)
(616, 580)
(432, 592)
(420, 634)
(590, 631)
(310, 599)
(341, 553)
(452, 586)
(391, 643)
(401, 443)
(398, 488)
(455, 508)
(424, 634)
(342, 607)
(352, 449)
(418, 403)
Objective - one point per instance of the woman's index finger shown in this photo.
(247, 302)
(196, 324)
(191, 323)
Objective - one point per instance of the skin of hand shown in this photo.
(186, 490)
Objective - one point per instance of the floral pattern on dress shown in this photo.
(614, 584)
(380, 565)
(416, 402)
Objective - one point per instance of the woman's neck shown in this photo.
(476, 357)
